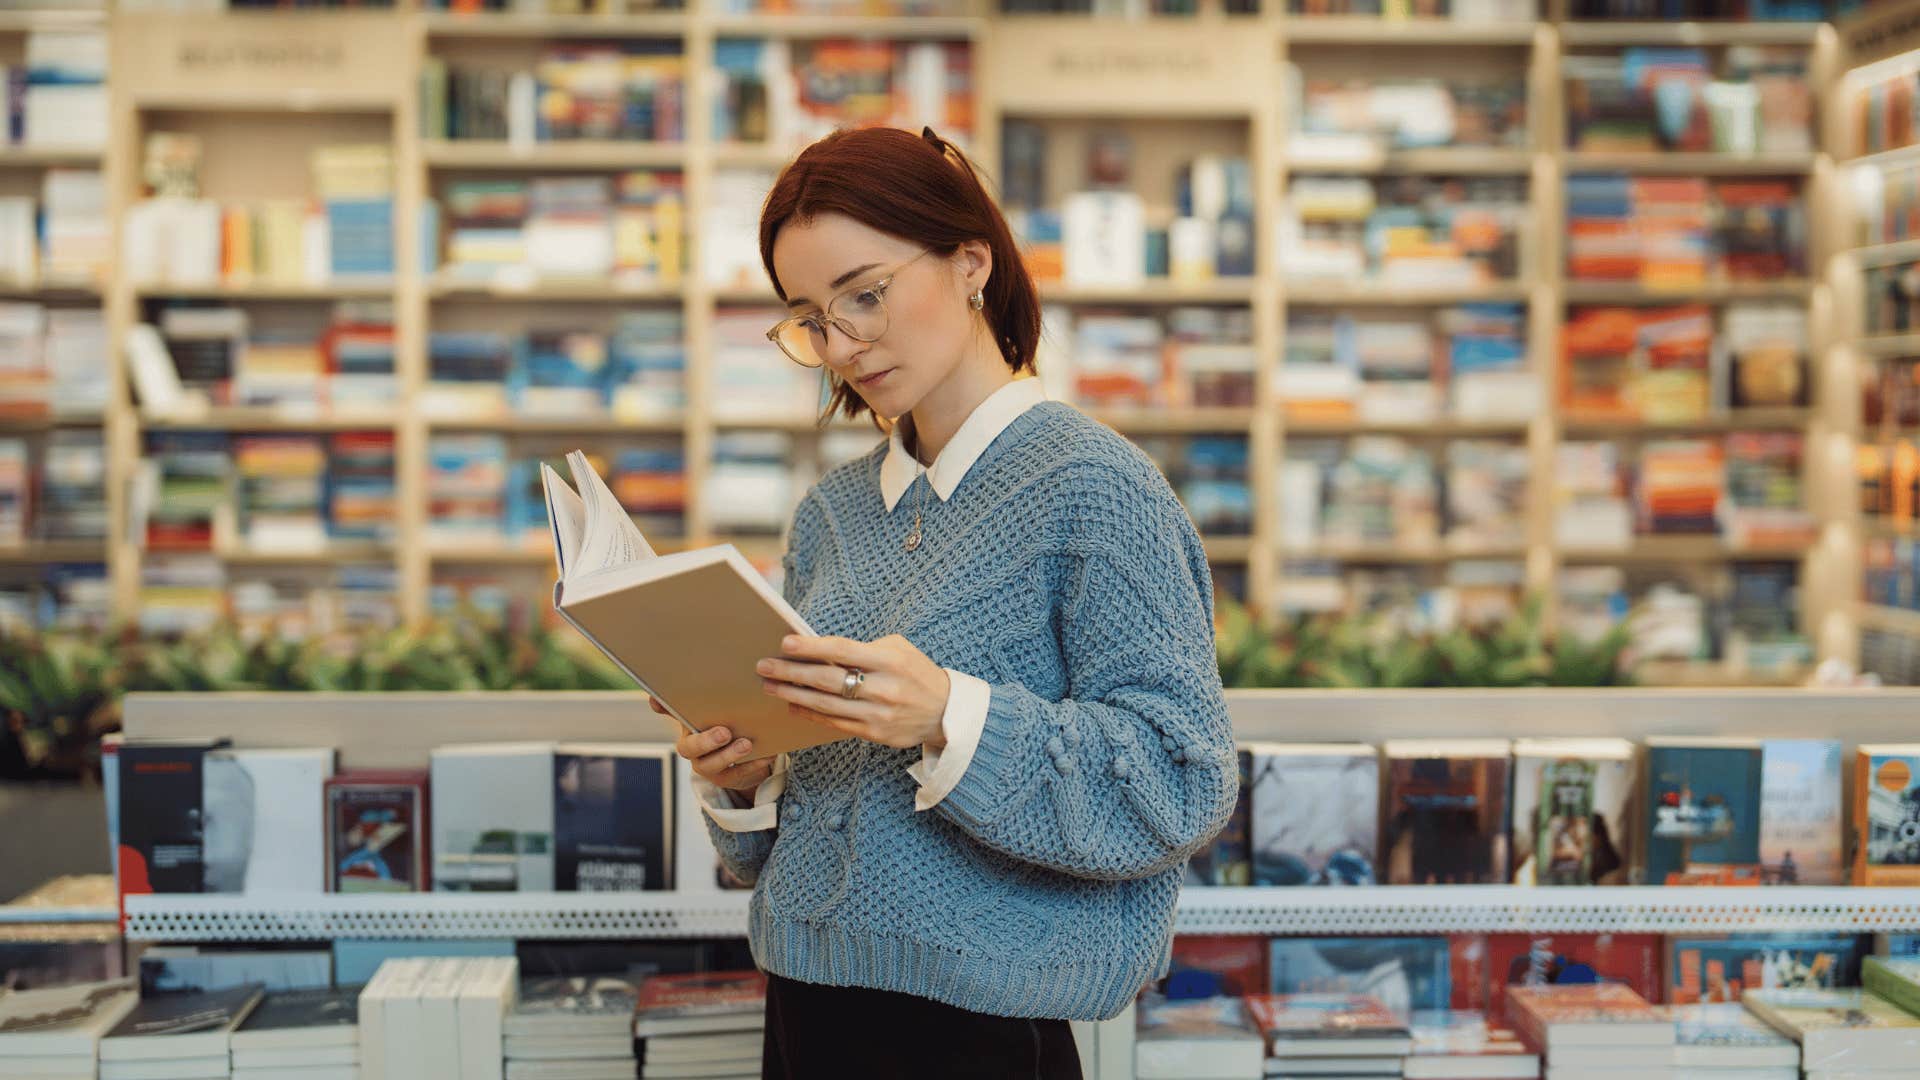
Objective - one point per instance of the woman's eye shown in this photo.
(865, 298)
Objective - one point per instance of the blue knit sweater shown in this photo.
(1065, 573)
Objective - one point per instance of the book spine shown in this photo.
(1880, 978)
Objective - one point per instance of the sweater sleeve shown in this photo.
(745, 850)
(1134, 769)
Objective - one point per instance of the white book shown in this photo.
(291, 1056)
(493, 817)
(59, 1067)
(264, 823)
(373, 1023)
(201, 1068)
(65, 1021)
(537, 1048)
(688, 627)
(491, 990)
(1105, 238)
(718, 1070)
(439, 1008)
(401, 1056)
(301, 1072)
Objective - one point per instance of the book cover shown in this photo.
(1703, 800)
(376, 838)
(164, 1016)
(613, 818)
(1800, 811)
(1404, 974)
(1537, 1010)
(262, 814)
(1886, 793)
(1570, 803)
(162, 840)
(1285, 1018)
(63, 1020)
(1720, 969)
(1227, 860)
(1533, 960)
(1446, 812)
(1713, 1035)
(1468, 959)
(493, 818)
(712, 993)
(1213, 965)
(1465, 1044)
(327, 1016)
(1315, 815)
(574, 1005)
(1897, 979)
(1840, 1029)
(1206, 1037)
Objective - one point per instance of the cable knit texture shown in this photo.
(1066, 574)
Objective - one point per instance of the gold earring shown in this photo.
(978, 300)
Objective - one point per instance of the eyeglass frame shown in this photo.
(829, 319)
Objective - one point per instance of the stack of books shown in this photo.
(1594, 1026)
(516, 233)
(1852, 1033)
(423, 1016)
(466, 488)
(1462, 1045)
(578, 1028)
(787, 94)
(1680, 485)
(76, 237)
(709, 1025)
(1404, 230)
(311, 1034)
(179, 1036)
(1726, 1042)
(1187, 357)
(1329, 1035)
(1204, 1039)
(628, 91)
(57, 1031)
(58, 97)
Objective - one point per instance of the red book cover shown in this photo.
(377, 831)
(1515, 960)
(1322, 1016)
(1538, 1008)
(1206, 965)
(1467, 961)
(706, 993)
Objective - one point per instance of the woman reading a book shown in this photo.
(1016, 646)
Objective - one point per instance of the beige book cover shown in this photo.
(688, 627)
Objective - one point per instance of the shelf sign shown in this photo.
(291, 56)
(1092, 68)
(1878, 32)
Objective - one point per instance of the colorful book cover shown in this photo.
(1315, 814)
(1465, 1033)
(1212, 965)
(1800, 810)
(1219, 1018)
(711, 993)
(1536, 1010)
(1886, 794)
(162, 834)
(1286, 1017)
(1710, 970)
(1227, 860)
(1403, 973)
(376, 831)
(1703, 1032)
(613, 818)
(1467, 955)
(1517, 960)
(1571, 798)
(1704, 812)
(1446, 812)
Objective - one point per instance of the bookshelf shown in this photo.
(1180, 86)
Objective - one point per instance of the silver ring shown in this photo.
(850, 686)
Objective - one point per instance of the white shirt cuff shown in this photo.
(939, 771)
(763, 814)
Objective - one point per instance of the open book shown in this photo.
(688, 627)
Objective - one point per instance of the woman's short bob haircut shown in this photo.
(919, 188)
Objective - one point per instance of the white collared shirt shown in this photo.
(937, 771)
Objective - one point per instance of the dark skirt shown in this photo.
(847, 1032)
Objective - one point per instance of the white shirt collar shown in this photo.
(988, 419)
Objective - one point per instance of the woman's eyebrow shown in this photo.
(836, 283)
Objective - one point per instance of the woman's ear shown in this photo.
(976, 264)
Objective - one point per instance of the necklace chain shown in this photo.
(913, 534)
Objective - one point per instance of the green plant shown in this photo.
(57, 696)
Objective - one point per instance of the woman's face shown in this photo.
(927, 317)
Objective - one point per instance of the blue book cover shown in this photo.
(1721, 969)
(1404, 973)
(612, 818)
(1704, 812)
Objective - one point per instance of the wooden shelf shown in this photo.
(1363, 30)
(25, 425)
(1428, 161)
(41, 554)
(1731, 32)
(267, 420)
(517, 26)
(1887, 345)
(1897, 251)
(555, 291)
(1195, 421)
(1435, 429)
(571, 425)
(1384, 294)
(1154, 291)
(37, 157)
(1680, 549)
(331, 555)
(1783, 419)
(271, 101)
(1690, 164)
(49, 290)
(491, 554)
(1892, 619)
(566, 154)
(891, 28)
(1394, 553)
(1608, 292)
(1881, 159)
(794, 425)
(1228, 549)
(381, 290)
(14, 22)
(1713, 673)
(751, 156)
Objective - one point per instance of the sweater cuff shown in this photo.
(983, 793)
(966, 713)
(763, 814)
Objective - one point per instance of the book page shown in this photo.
(609, 537)
(566, 516)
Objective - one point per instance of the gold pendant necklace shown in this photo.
(913, 534)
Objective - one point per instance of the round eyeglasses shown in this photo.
(860, 312)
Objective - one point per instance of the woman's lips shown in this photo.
(875, 378)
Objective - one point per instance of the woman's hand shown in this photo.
(719, 760)
(900, 703)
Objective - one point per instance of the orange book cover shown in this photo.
(1886, 815)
